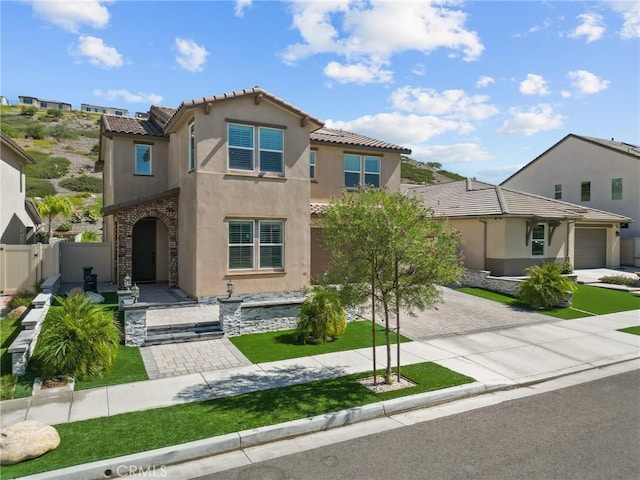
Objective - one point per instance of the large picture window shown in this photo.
(244, 245)
(538, 241)
(143, 159)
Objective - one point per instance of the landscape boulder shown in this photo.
(17, 312)
(25, 440)
(95, 297)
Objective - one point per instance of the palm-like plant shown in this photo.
(322, 316)
(545, 286)
(79, 338)
(51, 206)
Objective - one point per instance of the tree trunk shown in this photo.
(387, 336)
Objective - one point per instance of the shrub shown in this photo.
(88, 237)
(83, 183)
(47, 166)
(621, 280)
(75, 217)
(21, 299)
(322, 316)
(567, 267)
(64, 227)
(79, 338)
(61, 132)
(36, 131)
(39, 187)
(28, 111)
(9, 131)
(545, 286)
(95, 150)
(55, 113)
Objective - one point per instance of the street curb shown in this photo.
(154, 460)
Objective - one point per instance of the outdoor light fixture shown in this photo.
(135, 293)
(127, 283)
(229, 288)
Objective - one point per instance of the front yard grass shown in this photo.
(634, 330)
(587, 301)
(108, 437)
(9, 330)
(282, 345)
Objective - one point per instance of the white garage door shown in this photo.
(591, 248)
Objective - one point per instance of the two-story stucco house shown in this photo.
(221, 189)
(595, 173)
(19, 218)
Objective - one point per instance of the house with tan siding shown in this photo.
(222, 189)
(506, 231)
(593, 173)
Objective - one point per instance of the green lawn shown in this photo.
(634, 330)
(101, 438)
(9, 330)
(127, 368)
(587, 301)
(272, 346)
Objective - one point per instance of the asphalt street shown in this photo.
(586, 431)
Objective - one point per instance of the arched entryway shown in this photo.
(150, 251)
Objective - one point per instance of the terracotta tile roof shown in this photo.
(162, 114)
(342, 137)
(470, 198)
(132, 126)
(318, 208)
(256, 91)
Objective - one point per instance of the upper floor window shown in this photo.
(361, 170)
(143, 159)
(538, 241)
(312, 164)
(192, 146)
(616, 189)
(585, 191)
(558, 191)
(241, 140)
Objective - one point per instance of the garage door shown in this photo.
(591, 248)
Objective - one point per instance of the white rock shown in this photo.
(26, 440)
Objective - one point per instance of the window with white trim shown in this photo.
(538, 237)
(247, 249)
(242, 140)
(361, 170)
(312, 164)
(192, 146)
(143, 159)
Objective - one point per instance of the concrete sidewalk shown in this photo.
(499, 358)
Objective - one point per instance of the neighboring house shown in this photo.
(19, 218)
(591, 172)
(506, 231)
(221, 189)
(121, 112)
(49, 104)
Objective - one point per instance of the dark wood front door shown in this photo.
(144, 250)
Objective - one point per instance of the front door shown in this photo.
(144, 250)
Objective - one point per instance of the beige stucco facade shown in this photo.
(575, 160)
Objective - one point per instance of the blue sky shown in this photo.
(482, 87)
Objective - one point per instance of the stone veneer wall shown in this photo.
(165, 209)
(506, 285)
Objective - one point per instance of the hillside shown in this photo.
(414, 172)
(65, 144)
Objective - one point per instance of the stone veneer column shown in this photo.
(230, 315)
(135, 323)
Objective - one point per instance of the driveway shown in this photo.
(460, 313)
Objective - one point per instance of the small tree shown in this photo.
(545, 286)
(52, 206)
(79, 338)
(389, 248)
(322, 316)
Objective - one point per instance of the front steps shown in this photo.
(183, 332)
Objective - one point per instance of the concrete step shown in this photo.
(186, 332)
(183, 327)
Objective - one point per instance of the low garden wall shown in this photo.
(507, 285)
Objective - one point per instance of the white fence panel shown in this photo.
(76, 256)
(22, 266)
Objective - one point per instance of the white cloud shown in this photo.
(587, 82)
(351, 29)
(452, 104)
(191, 56)
(534, 85)
(128, 96)
(539, 118)
(630, 11)
(401, 129)
(537, 28)
(97, 52)
(359, 73)
(455, 153)
(484, 81)
(71, 14)
(241, 6)
(591, 27)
